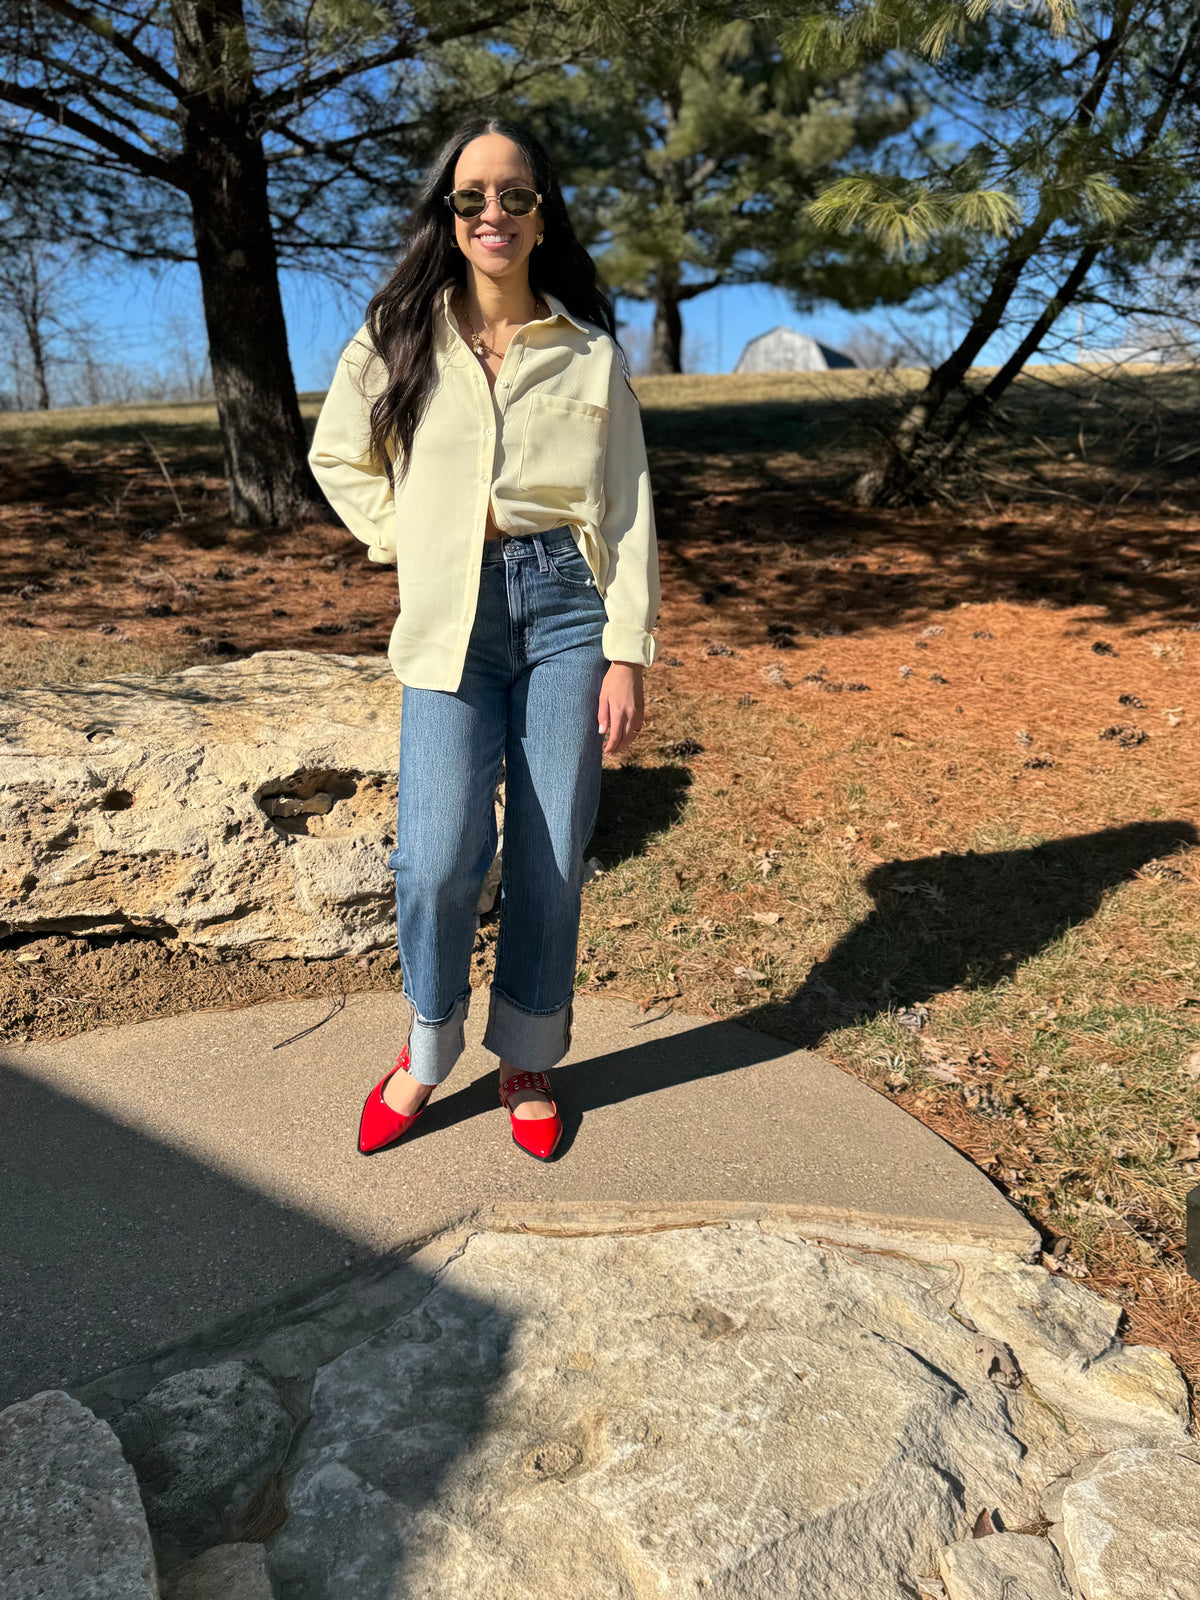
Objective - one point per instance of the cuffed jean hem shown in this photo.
(434, 1047)
(531, 1040)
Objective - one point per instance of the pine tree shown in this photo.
(1084, 153)
(690, 161)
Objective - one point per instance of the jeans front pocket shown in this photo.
(570, 566)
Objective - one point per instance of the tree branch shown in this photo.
(149, 166)
(311, 88)
(688, 291)
(105, 31)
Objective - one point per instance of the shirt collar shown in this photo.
(557, 309)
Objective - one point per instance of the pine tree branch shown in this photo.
(149, 166)
(689, 291)
(105, 31)
(77, 80)
(86, 92)
(312, 88)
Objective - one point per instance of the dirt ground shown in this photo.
(918, 788)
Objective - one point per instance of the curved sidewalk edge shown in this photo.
(920, 1237)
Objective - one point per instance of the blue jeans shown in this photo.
(529, 696)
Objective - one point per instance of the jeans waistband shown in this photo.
(518, 546)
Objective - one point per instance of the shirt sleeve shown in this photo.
(340, 455)
(632, 594)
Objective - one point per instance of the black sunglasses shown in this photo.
(473, 202)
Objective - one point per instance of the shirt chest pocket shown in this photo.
(562, 450)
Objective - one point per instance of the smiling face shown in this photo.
(495, 243)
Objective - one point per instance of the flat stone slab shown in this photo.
(724, 1410)
(169, 1175)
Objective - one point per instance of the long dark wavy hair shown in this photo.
(400, 317)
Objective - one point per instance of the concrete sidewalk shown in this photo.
(158, 1178)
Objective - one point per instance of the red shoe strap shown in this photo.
(524, 1080)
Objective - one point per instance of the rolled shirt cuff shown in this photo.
(620, 642)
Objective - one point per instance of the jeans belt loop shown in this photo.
(543, 561)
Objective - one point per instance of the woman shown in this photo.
(481, 433)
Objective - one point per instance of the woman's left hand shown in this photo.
(621, 705)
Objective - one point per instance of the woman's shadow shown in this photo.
(939, 923)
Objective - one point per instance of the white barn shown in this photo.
(788, 350)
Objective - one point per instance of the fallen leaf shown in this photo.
(941, 1071)
(983, 1525)
(749, 972)
(1188, 1148)
(767, 916)
(29, 955)
(1000, 1365)
(623, 922)
(1191, 1067)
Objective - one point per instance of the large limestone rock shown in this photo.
(1131, 1525)
(733, 1412)
(71, 1521)
(246, 805)
(201, 1443)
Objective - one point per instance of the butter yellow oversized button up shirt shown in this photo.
(558, 441)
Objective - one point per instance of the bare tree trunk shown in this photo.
(979, 406)
(899, 475)
(265, 447)
(21, 290)
(666, 350)
(38, 356)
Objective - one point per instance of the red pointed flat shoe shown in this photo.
(538, 1135)
(380, 1126)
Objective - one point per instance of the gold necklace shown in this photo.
(477, 342)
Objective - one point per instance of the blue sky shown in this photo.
(141, 313)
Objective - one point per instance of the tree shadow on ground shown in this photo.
(753, 505)
(965, 922)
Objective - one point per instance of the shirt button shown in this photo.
(487, 432)
(504, 383)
